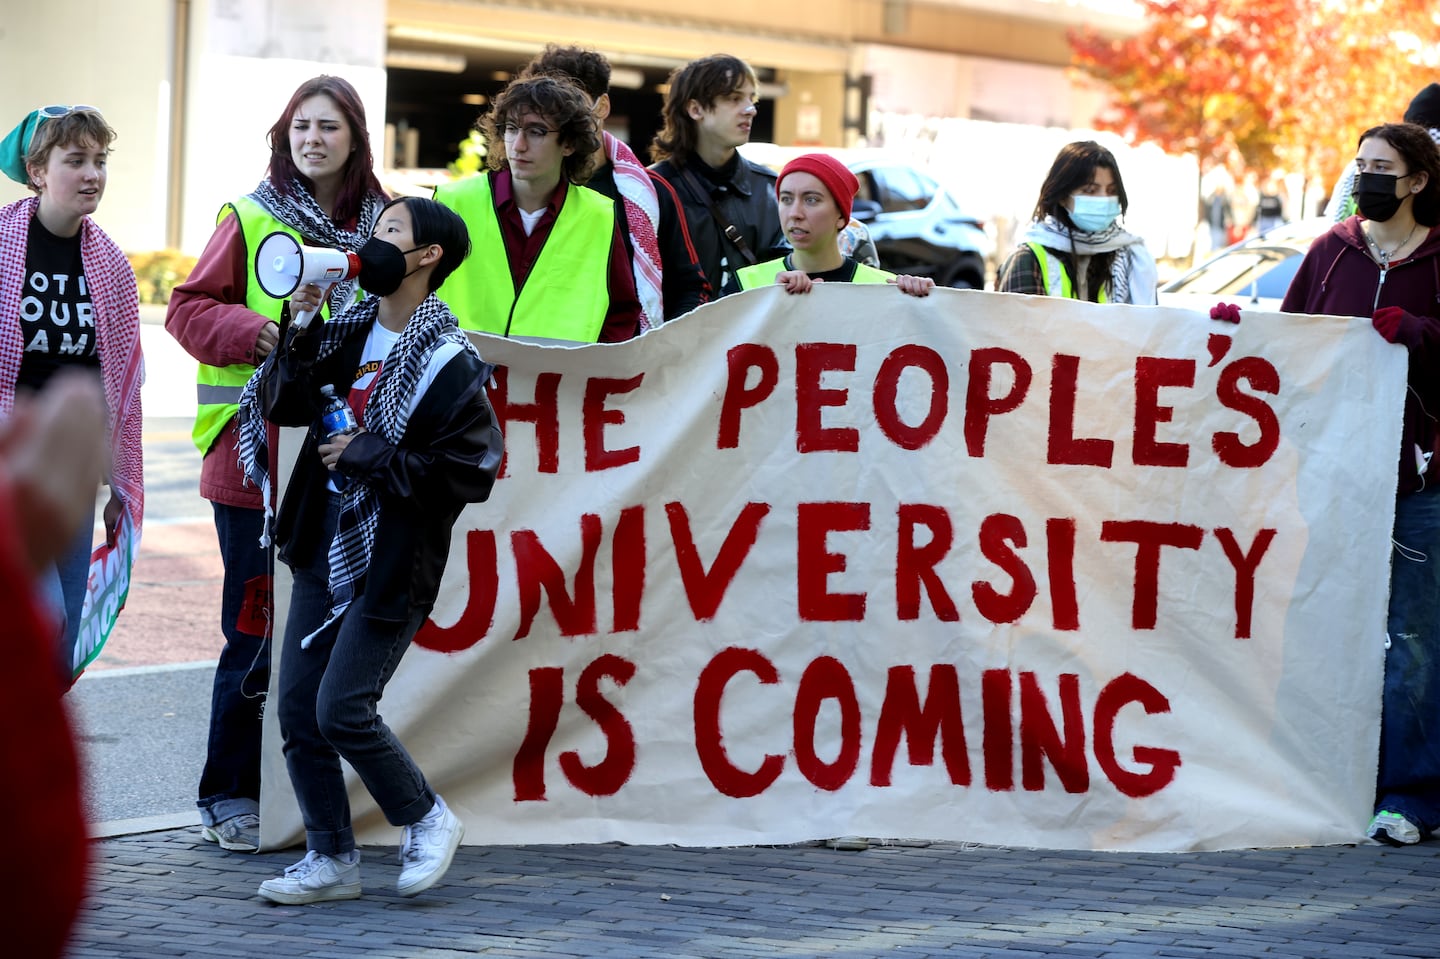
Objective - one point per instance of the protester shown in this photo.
(52, 451)
(74, 296)
(1269, 207)
(320, 187)
(365, 527)
(1219, 216)
(1075, 247)
(709, 109)
(1385, 264)
(815, 193)
(550, 259)
(1424, 109)
(668, 277)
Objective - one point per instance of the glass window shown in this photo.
(1264, 271)
(902, 189)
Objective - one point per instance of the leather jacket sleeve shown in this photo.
(451, 451)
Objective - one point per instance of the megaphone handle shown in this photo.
(301, 320)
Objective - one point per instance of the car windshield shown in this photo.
(1261, 271)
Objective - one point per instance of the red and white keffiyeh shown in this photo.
(642, 211)
(113, 295)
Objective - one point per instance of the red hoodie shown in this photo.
(40, 799)
(1339, 278)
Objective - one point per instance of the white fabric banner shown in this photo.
(982, 567)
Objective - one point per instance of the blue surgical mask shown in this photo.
(1093, 214)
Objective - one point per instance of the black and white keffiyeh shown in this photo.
(386, 413)
(298, 210)
(1133, 275)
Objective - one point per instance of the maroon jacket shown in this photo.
(1338, 278)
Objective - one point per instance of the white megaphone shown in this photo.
(282, 266)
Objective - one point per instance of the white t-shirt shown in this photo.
(378, 344)
(373, 357)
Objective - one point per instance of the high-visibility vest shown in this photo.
(217, 388)
(1057, 281)
(763, 274)
(566, 295)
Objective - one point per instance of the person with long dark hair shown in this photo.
(320, 188)
(1384, 263)
(1076, 247)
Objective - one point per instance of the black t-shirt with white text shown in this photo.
(57, 319)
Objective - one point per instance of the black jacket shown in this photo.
(448, 457)
(745, 193)
(683, 283)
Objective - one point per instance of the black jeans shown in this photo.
(329, 694)
(230, 781)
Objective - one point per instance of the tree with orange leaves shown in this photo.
(1273, 82)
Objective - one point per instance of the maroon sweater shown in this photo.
(1339, 278)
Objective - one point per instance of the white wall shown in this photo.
(247, 59)
(113, 56)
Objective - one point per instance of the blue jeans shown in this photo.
(1409, 777)
(230, 781)
(62, 588)
(329, 694)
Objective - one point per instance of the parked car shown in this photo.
(1253, 274)
(917, 226)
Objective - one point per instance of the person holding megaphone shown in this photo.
(368, 553)
(321, 190)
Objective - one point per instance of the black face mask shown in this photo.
(1375, 195)
(382, 266)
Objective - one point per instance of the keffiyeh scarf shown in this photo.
(299, 211)
(387, 414)
(1133, 276)
(642, 213)
(111, 282)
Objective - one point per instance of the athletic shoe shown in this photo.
(427, 848)
(316, 878)
(238, 833)
(1393, 829)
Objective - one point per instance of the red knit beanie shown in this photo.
(837, 179)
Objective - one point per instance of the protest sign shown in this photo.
(983, 567)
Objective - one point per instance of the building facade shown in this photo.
(192, 86)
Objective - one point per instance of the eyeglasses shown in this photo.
(532, 132)
(56, 112)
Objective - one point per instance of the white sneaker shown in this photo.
(1393, 829)
(316, 878)
(427, 848)
(240, 833)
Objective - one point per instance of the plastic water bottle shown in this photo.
(338, 418)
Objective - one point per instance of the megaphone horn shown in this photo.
(282, 266)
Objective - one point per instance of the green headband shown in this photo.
(15, 145)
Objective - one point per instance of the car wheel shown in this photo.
(966, 273)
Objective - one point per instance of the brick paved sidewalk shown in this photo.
(165, 894)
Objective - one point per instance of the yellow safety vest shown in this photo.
(567, 293)
(763, 274)
(1055, 276)
(217, 388)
